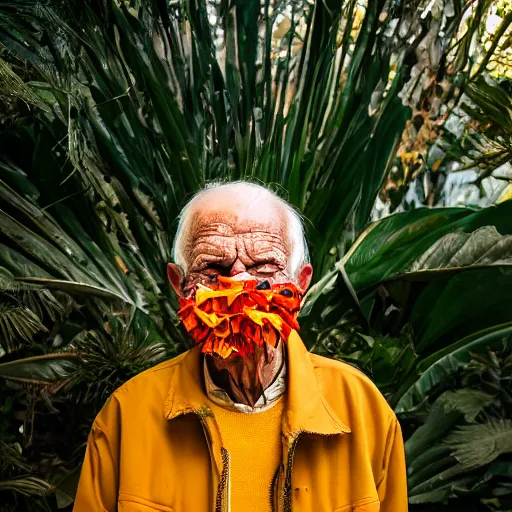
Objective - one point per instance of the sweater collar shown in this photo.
(307, 409)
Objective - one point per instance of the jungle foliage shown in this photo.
(115, 112)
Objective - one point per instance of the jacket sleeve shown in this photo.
(392, 488)
(97, 488)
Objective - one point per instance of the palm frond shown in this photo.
(12, 461)
(469, 402)
(477, 445)
(111, 356)
(18, 324)
(22, 310)
(27, 486)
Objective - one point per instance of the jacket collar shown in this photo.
(307, 409)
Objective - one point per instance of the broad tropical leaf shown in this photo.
(442, 365)
(46, 369)
(404, 242)
(459, 249)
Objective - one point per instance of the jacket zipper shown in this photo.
(221, 500)
(221, 503)
(274, 493)
(287, 493)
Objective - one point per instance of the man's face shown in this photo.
(232, 238)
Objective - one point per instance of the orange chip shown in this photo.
(234, 316)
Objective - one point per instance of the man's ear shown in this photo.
(175, 275)
(304, 277)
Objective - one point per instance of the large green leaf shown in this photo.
(442, 365)
(444, 311)
(427, 270)
(405, 242)
(45, 369)
(485, 246)
(414, 268)
(71, 287)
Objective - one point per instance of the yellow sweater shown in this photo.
(253, 441)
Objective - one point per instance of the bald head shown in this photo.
(241, 229)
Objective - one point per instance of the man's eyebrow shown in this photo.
(203, 259)
(268, 257)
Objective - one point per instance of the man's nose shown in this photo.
(237, 268)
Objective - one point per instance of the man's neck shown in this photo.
(245, 379)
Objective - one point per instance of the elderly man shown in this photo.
(248, 419)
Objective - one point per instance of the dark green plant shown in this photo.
(463, 448)
(133, 106)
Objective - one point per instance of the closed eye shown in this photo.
(265, 268)
(215, 268)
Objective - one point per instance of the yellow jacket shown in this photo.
(155, 444)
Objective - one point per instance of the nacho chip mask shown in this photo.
(234, 316)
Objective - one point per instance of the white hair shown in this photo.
(296, 237)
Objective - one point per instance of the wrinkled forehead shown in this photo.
(229, 216)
